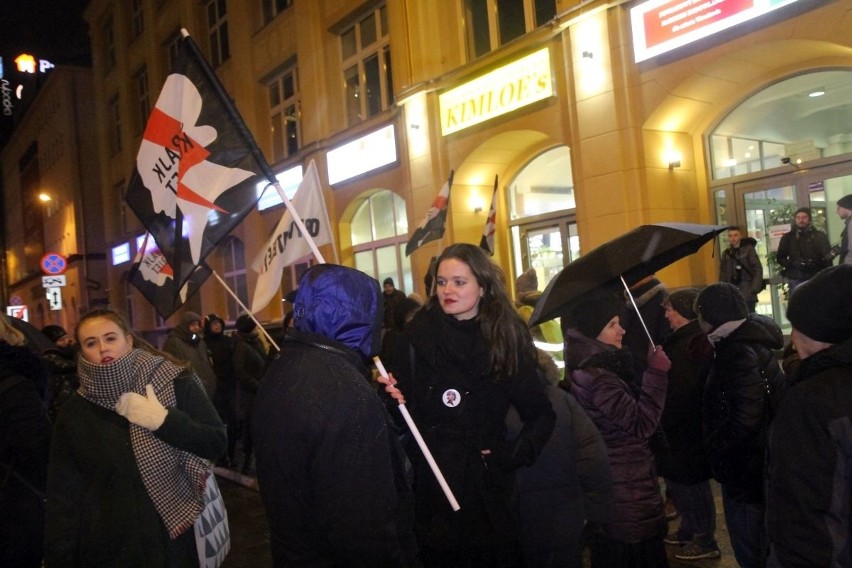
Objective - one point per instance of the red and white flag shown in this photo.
(434, 223)
(287, 245)
(487, 241)
(197, 165)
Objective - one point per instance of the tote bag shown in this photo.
(212, 534)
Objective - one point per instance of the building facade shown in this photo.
(52, 209)
(593, 117)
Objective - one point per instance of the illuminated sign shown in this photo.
(662, 25)
(367, 153)
(503, 90)
(289, 181)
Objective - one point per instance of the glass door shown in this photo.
(546, 247)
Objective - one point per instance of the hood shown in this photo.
(578, 348)
(760, 329)
(340, 303)
(748, 241)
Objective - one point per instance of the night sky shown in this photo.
(49, 29)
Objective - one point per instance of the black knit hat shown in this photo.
(387, 281)
(821, 308)
(845, 202)
(683, 302)
(806, 210)
(590, 316)
(719, 303)
(245, 324)
(54, 332)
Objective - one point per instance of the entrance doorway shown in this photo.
(764, 209)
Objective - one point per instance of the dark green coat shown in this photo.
(99, 513)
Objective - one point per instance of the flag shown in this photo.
(287, 244)
(433, 225)
(197, 165)
(152, 275)
(487, 241)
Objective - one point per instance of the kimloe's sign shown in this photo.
(515, 85)
(662, 25)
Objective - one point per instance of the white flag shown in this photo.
(287, 244)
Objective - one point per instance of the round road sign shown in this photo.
(53, 263)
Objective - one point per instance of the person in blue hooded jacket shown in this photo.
(329, 464)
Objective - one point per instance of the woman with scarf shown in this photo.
(627, 410)
(130, 455)
(462, 361)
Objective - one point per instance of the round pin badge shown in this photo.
(451, 398)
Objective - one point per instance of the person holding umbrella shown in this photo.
(627, 412)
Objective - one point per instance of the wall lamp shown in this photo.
(672, 159)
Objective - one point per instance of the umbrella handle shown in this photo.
(638, 313)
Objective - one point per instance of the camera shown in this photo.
(737, 276)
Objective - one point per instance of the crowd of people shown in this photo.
(469, 447)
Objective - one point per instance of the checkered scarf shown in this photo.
(175, 479)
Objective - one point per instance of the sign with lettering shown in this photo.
(513, 86)
(663, 25)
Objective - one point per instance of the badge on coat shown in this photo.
(451, 398)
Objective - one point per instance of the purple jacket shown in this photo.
(627, 416)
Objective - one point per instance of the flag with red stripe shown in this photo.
(433, 224)
(487, 240)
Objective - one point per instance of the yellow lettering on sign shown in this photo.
(515, 85)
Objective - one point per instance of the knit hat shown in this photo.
(845, 202)
(54, 332)
(590, 316)
(806, 210)
(526, 282)
(821, 308)
(188, 318)
(388, 281)
(683, 302)
(245, 324)
(719, 303)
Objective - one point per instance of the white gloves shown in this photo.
(146, 412)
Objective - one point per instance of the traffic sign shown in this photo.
(52, 281)
(20, 312)
(53, 263)
(54, 297)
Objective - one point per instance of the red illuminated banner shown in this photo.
(662, 25)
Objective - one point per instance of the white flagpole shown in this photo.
(423, 447)
(245, 309)
(298, 219)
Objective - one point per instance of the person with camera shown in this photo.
(741, 266)
(803, 251)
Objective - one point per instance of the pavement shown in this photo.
(250, 531)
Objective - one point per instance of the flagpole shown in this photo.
(422, 443)
(245, 309)
(298, 220)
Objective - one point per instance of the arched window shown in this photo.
(379, 232)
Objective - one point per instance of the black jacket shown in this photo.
(329, 464)
(736, 407)
(803, 252)
(809, 504)
(452, 355)
(742, 268)
(680, 455)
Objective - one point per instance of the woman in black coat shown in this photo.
(463, 360)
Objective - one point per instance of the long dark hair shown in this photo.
(508, 336)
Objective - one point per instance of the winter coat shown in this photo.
(438, 357)
(803, 252)
(626, 420)
(24, 446)
(23, 361)
(748, 278)
(249, 366)
(680, 457)
(329, 464)
(568, 484)
(99, 511)
(809, 501)
(191, 349)
(736, 409)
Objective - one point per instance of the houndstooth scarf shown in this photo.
(175, 479)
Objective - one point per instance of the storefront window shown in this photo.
(379, 233)
(544, 186)
(800, 119)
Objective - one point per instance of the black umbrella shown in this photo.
(36, 340)
(628, 258)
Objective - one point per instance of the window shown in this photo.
(272, 8)
(492, 23)
(115, 125)
(143, 97)
(120, 254)
(108, 47)
(137, 18)
(379, 233)
(217, 26)
(234, 275)
(284, 114)
(366, 66)
(172, 50)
